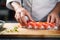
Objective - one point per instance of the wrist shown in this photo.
(19, 10)
(55, 11)
(16, 5)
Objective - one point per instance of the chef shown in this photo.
(35, 10)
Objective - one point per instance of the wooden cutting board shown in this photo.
(23, 32)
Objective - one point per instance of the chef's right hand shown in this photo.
(20, 15)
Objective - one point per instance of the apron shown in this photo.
(39, 9)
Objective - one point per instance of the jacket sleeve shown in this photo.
(8, 3)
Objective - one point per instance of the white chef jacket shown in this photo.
(37, 8)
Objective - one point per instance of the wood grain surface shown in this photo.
(23, 32)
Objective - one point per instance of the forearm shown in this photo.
(57, 8)
(16, 5)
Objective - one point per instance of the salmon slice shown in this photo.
(40, 25)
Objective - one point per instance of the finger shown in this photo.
(20, 20)
(17, 16)
(59, 25)
(57, 22)
(23, 18)
(52, 19)
(48, 18)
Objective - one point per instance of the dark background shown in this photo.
(6, 14)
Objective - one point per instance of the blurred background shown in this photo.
(6, 14)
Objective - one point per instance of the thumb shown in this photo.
(28, 18)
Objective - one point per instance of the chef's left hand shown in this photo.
(53, 17)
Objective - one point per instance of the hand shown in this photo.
(20, 16)
(54, 18)
(20, 13)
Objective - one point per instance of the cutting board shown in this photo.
(30, 32)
